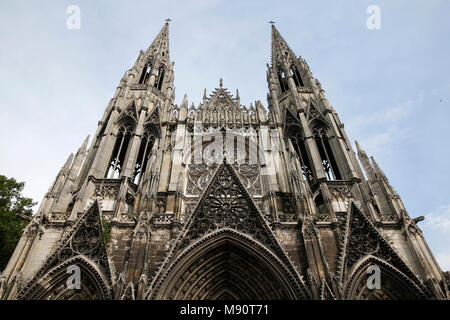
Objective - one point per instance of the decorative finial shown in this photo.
(185, 101)
(167, 20)
(221, 83)
(272, 22)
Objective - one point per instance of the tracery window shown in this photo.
(119, 153)
(282, 79)
(146, 72)
(159, 78)
(326, 155)
(299, 146)
(296, 76)
(147, 142)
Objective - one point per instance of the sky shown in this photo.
(390, 86)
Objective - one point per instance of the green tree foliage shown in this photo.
(14, 210)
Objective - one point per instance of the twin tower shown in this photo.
(221, 201)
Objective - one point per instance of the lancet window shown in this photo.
(119, 153)
(326, 154)
(147, 142)
(146, 72)
(283, 81)
(300, 148)
(296, 76)
(159, 78)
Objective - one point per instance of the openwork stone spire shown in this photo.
(280, 48)
(161, 42)
(221, 201)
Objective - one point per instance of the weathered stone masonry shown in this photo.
(221, 201)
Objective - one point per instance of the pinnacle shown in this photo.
(185, 101)
(82, 149)
(358, 148)
(124, 77)
(85, 143)
(68, 163)
(376, 167)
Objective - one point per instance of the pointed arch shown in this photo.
(147, 142)
(282, 79)
(120, 150)
(152, 121)
(226, 206)
(291, 122)
(129, 114)
(227, 263)
(294, 133)
(124, 131)
(146, 72)
(82, 245)
(53, 285)
(315, 117)
(363, 245)
(321, 132)
(159, 80)
(296, 76)
(394, 284)
(298, 142)
(328, 159)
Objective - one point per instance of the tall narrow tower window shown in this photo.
(120, 150)
(146, 72)
(282, 79)
(159, 78)
(299, 146)
(296, 76)
(326, 154)
(147, 141)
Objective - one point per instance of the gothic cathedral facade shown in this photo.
(221, 201)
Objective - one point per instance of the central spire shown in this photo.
(280, 48)
(161, 42)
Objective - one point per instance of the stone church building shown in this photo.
(221, 201)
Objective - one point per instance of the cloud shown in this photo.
(384, 141)
(436, 228)
(439, 220)
(444, 261)
(58, 82)
(387, 116)
(379, 131)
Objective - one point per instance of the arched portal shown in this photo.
(394, 284)
(53, 285)
(227, 265)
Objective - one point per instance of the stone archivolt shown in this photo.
(287, 210)
(83, 246)
(227, 210)
(363, 246)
